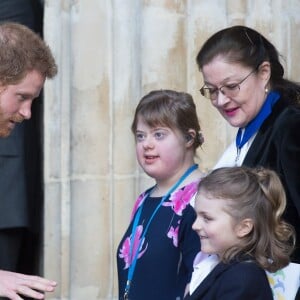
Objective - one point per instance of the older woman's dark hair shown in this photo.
(246, 46)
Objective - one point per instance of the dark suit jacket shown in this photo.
(20, 171)
(234, 281)
(13, 202)
(277, 146)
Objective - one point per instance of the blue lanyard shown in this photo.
(136, 221)
(254, 125)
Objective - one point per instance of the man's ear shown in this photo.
(244, 227)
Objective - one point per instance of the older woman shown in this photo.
(243, 79)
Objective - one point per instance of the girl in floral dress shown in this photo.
(155, 256)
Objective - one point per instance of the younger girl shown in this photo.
(155, 256)
(239, 222)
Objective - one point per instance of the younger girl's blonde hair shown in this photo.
(256, 194)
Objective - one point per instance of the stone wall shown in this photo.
(110, 53)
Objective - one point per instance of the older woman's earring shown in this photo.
(266, 90)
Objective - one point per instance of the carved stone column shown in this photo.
(110, 53)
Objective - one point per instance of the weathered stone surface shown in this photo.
(109, 54)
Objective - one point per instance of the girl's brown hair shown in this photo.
(169, 108)
(259, 195)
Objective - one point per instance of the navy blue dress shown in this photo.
(165, 260)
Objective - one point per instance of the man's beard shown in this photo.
(5, 130)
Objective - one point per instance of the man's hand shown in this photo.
(12, 285)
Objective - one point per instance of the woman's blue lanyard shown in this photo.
(136, 221)
(244, 134)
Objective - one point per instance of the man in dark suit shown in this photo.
(25, 63)
(20, 190)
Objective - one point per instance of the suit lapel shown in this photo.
(262, 138)
(206, 284)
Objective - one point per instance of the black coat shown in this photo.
(277, 146)
(234, 281)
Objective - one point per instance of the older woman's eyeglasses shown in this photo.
(229, 90)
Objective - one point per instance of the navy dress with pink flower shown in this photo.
(165, 260)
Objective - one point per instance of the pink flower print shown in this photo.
(137, 204)
(173, 234)
(137, 246)
(181, 198)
